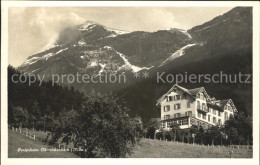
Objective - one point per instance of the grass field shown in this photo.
(149, 148)
(16, 141)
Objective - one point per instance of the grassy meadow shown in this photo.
(149, 148)
(146, 148)
(17, 140)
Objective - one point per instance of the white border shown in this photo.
(129, 161)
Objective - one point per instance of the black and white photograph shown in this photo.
(130, 82)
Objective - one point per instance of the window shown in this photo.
(169, 124)
(166, 117)
(203, 106)
(177, 97)
(208, 118)
(177, 106)
(214, 120)
(188, 104)
(166, 108)
(204, 117)
(169, 98)
(177, 115)
(226, 116)
(214, 112)
(184, 95)
(199, 115)
(179, 122)
(210, 110)
(188, 113)
(228, 107)
(219, 113)
(198, 104)
(192, 121)
(201, 96)
(163, 124)
(219, 121)
(185, 121)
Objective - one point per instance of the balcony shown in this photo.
(177, 116)
(202, 108)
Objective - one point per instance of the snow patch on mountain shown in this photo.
(116, 32)
(58, 52)
(33, 60)
(186, 33)
(89, 25)
(35, 70)
(82, 43)
(127, 63)
(93, 63)
(177, 54)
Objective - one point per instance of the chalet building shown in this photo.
(188, 107)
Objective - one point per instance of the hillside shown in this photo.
(149, 148)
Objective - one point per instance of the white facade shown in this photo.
(188, 107)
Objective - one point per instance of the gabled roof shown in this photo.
(169, 91)
(191, 92)
(195, 91)
(222, 104)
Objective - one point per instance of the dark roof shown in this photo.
(191, 92)
(213, 105)
(194, 91)
(222, 103)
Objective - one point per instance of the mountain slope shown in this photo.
(222, 44)
(224, 48)
(83, 49)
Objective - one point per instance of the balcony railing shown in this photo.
(202, 108)
(177, 116)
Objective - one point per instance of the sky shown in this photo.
(33, 29)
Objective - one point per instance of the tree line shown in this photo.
(236, 130)
(38, 102)
(93, 122)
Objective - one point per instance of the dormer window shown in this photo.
(201, 96)
(177, 97)
(169, 98)
(228, 107)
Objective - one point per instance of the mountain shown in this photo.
(94, 48)
(222, 44)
